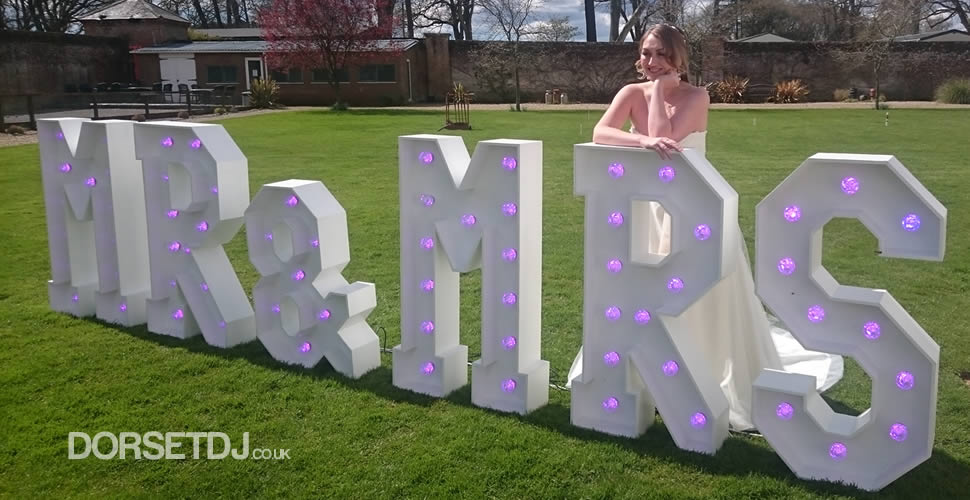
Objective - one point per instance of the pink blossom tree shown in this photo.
(327, 34)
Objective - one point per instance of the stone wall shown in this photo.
(586, 72)
(912, 71)
(593, 72)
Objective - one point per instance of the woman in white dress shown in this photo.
(729, 324)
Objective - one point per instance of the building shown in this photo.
(762, 38)
(393, 71)
(141, 23)
(951, 35)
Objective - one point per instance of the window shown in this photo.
(221, 74)
(377, 73)
(322, 75)
(292, 75)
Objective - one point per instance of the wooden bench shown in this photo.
(759, 92)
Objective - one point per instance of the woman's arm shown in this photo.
(689, 117)
(607, 130)
(658, 125)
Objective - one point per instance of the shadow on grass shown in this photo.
(742, 455)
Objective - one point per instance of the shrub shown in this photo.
(183, 115)
(956, 91)
(219, 111)
(138, 118)
(789, 91)
(839, 95)
(339, 106)
(15, 130)
(264, 94)
(730, 90)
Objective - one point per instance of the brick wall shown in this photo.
(43, 63)
(139, 32)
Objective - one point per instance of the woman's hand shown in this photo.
(662, 145)
(668, 79)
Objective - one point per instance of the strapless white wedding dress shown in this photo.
(732, 329)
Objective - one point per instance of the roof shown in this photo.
(132, 9)
(950, 35)
(763, 38)
(229, 46)
(231, 33)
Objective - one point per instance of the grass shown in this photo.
(366, 438)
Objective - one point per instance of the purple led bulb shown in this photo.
(613, 313)
(509, 209)
(666, 174)
(508, 343)
(614, 266)
(792, 213)
(509, 163)
(615, 219)
(850, 185)
(615, 170)
(611, 358)
(610, 404)
(785, 411)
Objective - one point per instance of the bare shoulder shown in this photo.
(699, 95)
(633, 90)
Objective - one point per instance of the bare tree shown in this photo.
(939, 12)
(590, 9)
(513, 19)
(454, 13)
(877, 37)
(556, 29)
(47, 15)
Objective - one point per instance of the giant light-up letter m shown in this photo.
(480, 212)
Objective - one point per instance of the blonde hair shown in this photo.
(675, 46)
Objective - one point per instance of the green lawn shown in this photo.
(366, 438)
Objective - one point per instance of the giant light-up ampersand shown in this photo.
(896, 433)
(630, 335)
(480, 212)
(196, 191)
(95, 206)
(305, 309)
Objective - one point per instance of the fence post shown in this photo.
(30, 112)
(94, 104)
(188, 102)
(145, 98)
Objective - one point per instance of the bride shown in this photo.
(734, 332)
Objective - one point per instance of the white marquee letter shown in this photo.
(196, 190)
(631, 294)
(459, 214)
(305, 309)
(95, 204)
(896, 434)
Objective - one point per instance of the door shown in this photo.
(254, 71)
(177, 69)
